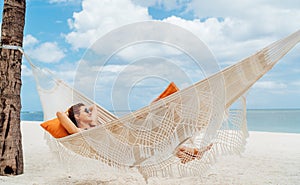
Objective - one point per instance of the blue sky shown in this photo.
(58, 32)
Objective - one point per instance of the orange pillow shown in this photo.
(54, 127)
(172, 88)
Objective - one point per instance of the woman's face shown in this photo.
(85, 115)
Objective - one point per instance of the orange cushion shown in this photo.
(54, 127)
(172, 88)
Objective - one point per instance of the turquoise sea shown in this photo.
(270, 120)
(274, 120)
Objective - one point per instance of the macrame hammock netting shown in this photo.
(145, 140)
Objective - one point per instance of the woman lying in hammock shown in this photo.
(82, 117)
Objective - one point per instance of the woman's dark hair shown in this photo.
(75, 109)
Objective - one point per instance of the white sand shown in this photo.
(270, 158)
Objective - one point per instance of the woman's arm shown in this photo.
(67, 123)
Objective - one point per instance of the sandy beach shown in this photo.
(269, 158)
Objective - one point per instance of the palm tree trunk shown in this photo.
(11, 155)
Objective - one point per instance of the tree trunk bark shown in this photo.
(11, 154)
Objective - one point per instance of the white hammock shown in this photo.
(147, 138)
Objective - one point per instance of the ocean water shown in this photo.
(274, 120)
(32, 116)
(270, 120)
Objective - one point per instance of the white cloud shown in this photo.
(257, 17)
(147, 49)
(48, 52)
(100, 17)
(166, 4)
(270, 85)
(215, 34)
(30, 41)
(245, 26)
(296, 83)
